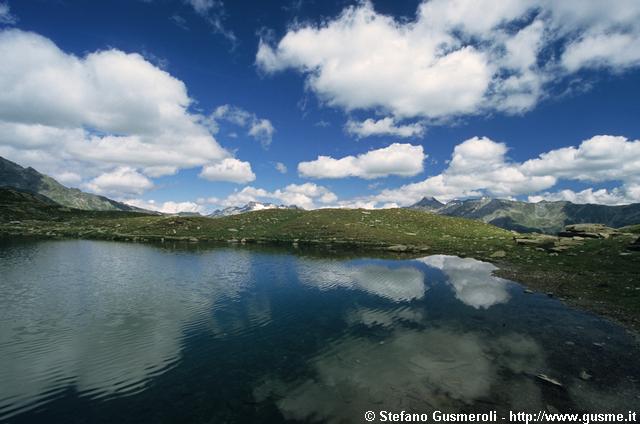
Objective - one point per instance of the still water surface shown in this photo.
(113, 332)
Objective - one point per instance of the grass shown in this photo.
(599, 275)
(635, 229)
(373, 229)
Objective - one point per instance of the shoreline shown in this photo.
(563, 284)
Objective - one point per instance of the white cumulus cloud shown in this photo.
(122, 180)
(229, 169)
(169, 207)
(384, 126)
(480, 166)
(451, 59)
(396, 159)
(615, 196)
(96, 114)
(618, 51)
(307, 196)
(600, 158)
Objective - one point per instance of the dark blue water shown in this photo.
(130, 333)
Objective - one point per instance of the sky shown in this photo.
(194, 105)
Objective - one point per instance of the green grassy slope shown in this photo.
(635, 229)
(381, 228)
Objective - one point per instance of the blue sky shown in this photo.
(199, 104)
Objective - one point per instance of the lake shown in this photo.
(132, 333)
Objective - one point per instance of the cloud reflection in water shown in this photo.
(471, 279)
(396, 284)
(110, 335)
(411, 370)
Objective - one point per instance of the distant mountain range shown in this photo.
(249, 207)
(546, 217)
(28, 186)
(29, 180)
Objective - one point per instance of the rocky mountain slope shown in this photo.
(546, 217)
(20, 205)
(28, 179)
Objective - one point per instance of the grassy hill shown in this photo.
(635, 229)
(375, 229)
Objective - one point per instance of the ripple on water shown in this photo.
(303, 337)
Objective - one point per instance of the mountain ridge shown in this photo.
(428, 203)
(545, 216)
(30, 180)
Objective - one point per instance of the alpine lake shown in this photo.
(104, 332)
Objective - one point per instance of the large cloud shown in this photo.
(396, 159)
(452, 60)
(363, 60)
(95, 114)
(600, 158)
(480, 166)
